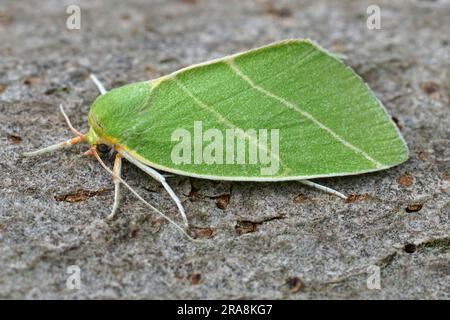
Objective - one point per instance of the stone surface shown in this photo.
(261, 240)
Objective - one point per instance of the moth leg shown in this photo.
(323, 188)
(160, 178)
(117, 170)
(183, 231)
(98, 84)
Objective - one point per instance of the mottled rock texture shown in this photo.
(262, 240)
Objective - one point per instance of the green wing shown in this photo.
(329, 121)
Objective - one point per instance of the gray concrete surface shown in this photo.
(262, 240)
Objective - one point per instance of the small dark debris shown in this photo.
(117, 83)
(294, 284)
(405, 180)
(357, 197)
(432, 89)
(223, 201)
(370, 76)
(14, 138)
(32, 81)
(6, 19)
(338, 46)
(410, 248)
(168, 60)
(282, 12)
(300, 198)
(201, 233)
(151, 70)
(429, 87)
(158, 222)
(247, 226)
(276, 11)
(188, 2)
(414, 207)
(446, 176)
(125, 17)
(79, 195)
(6, 52)
(56, 90)
(194, 278)
(133, 233)
(422, 155)
(243, 227)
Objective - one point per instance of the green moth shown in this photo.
(286, 111)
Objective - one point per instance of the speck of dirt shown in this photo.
(201, 233)
(422, 155)
(300, 198)
(243, 227)
(282, 12)
(55, 90)
(151, 71)
(414, 207)
(277, 11)
(158, 222)
(432, 89)
(194, 278)
(410, 248)
(79, 195)
(429, 87)
(14, 138)
(294, 284)
(6, 52)
(6, 19)
(357, 197)
(223, 201)
(338, 46)
(168, 60)
(32, 81)
(125, 17)
(188, 2)
(370, 76)
(405, 180)
(446, 176)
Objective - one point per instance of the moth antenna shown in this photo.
(98, 84)
(323, 188)
(62, 145)
(139, 197)
(78, 133)
(54, 147)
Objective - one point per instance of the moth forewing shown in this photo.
(286, 111)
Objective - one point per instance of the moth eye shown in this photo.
(103, 148)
